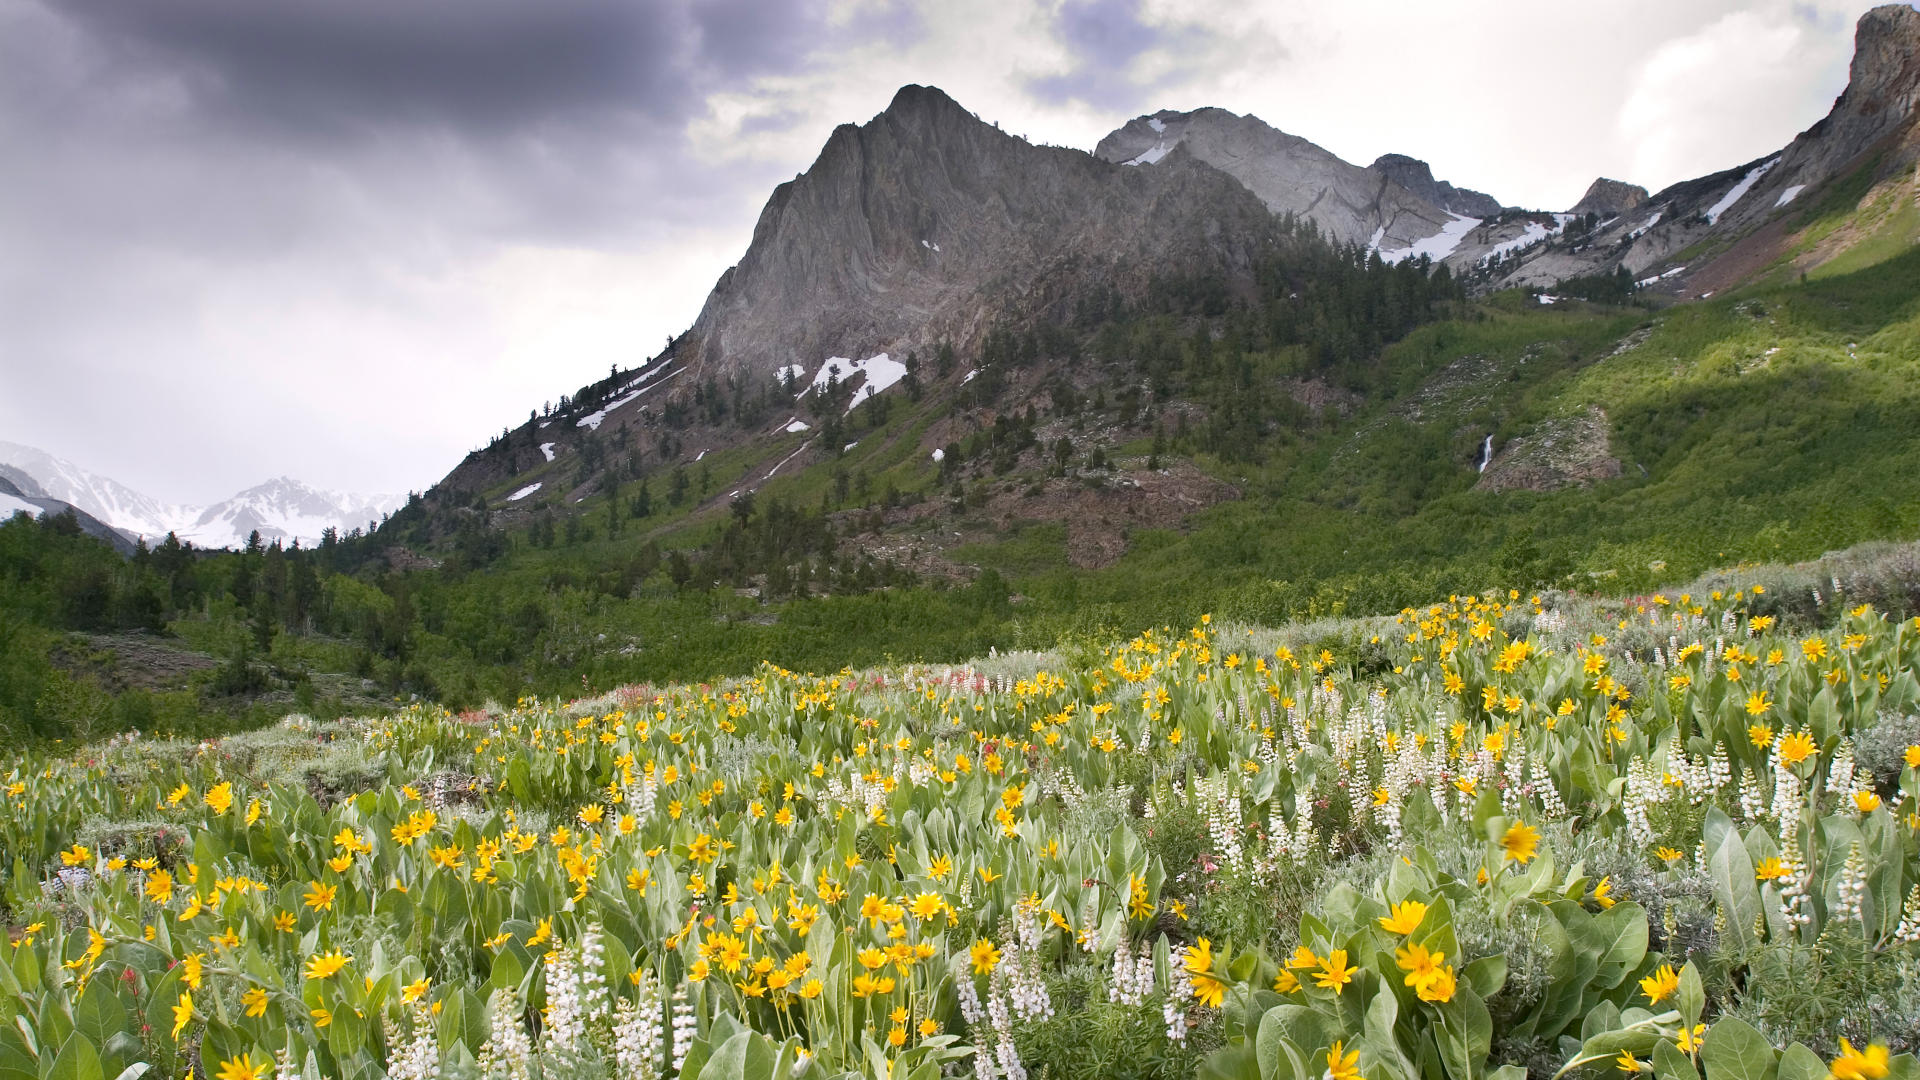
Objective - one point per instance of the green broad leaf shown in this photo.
(1797, 1062)
(1669, 1063)
(1692, 998)
(77, 1060)
(1735, 1051)
(1464, 1035)
(1731, 868)
(99, 1014)
(1486, 975)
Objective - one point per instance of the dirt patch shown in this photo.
(123, 662)
(1749, 256)
(1321, 396)
(1098, 519)
(1557, 453)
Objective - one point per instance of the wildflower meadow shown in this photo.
(1493, 838)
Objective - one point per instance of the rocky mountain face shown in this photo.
(926, 223)
(1609, 198)
(281, 509)
(1416, 176)
(1745, 215)
(1350, 204)
(20, 494)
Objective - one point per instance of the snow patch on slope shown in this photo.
(1159, 150)
(524, 492)
(11, 505)
(880, 371)
(592, 420)
(1789, 195)
(1435, 247)
(1739, 190)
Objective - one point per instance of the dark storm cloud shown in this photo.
(477, 67)
(1105, 37)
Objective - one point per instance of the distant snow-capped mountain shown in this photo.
(281, 509)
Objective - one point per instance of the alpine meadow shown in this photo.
(1196, 607)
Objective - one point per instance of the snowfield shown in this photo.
(1435, 247)
(1739, 191)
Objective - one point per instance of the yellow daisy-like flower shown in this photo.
(326, 965)
(1795, 748)
(255, 1001)
(320, 897)
(1660, 985)
(182, 1013)
(1521, 843)
(1858, 1065)
(984, 956)
(242, 1068)
(1334, 974)
(1405, 918)
(1342, 1064)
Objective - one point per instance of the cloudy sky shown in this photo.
(349, 240)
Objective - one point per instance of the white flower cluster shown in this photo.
(1795, 905)
(1000, 993)
(1132, 976)
(566, 1027)
(970, 1008)
(1852, 888)
(1224, 824)
(1026, 988)
(1909, 929)
(1179, 992)
(1843, 780)
(505, 1054)
(639, 1034)
(595, 1001)
(418, 1055)
(1644, 788)
(684, 1024)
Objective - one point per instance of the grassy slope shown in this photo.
(1731, 452)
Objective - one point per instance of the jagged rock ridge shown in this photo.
(927, 223)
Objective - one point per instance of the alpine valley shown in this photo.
(963, 392)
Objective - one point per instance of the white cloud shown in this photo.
(1732, 91)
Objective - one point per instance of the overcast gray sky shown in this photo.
(348, 240)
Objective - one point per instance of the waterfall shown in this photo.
(1486, 453)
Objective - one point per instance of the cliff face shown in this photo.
(1349, 203)
(927, 223)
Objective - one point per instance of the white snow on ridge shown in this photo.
(880, 370)
(1645, 225)
(1160, 150)
(1658, 278)
(1154, 123)
(1439, 245)
(547, 449)
(593, 420)
(969, 376)
(1535, 232)
(796, 371)
(1739, 190)
(797, 425)
(524, 492)
(1789, 195)
(10, 505)
(280, 509)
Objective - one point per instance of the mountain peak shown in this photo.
(1417, 176)
(1609, 198)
